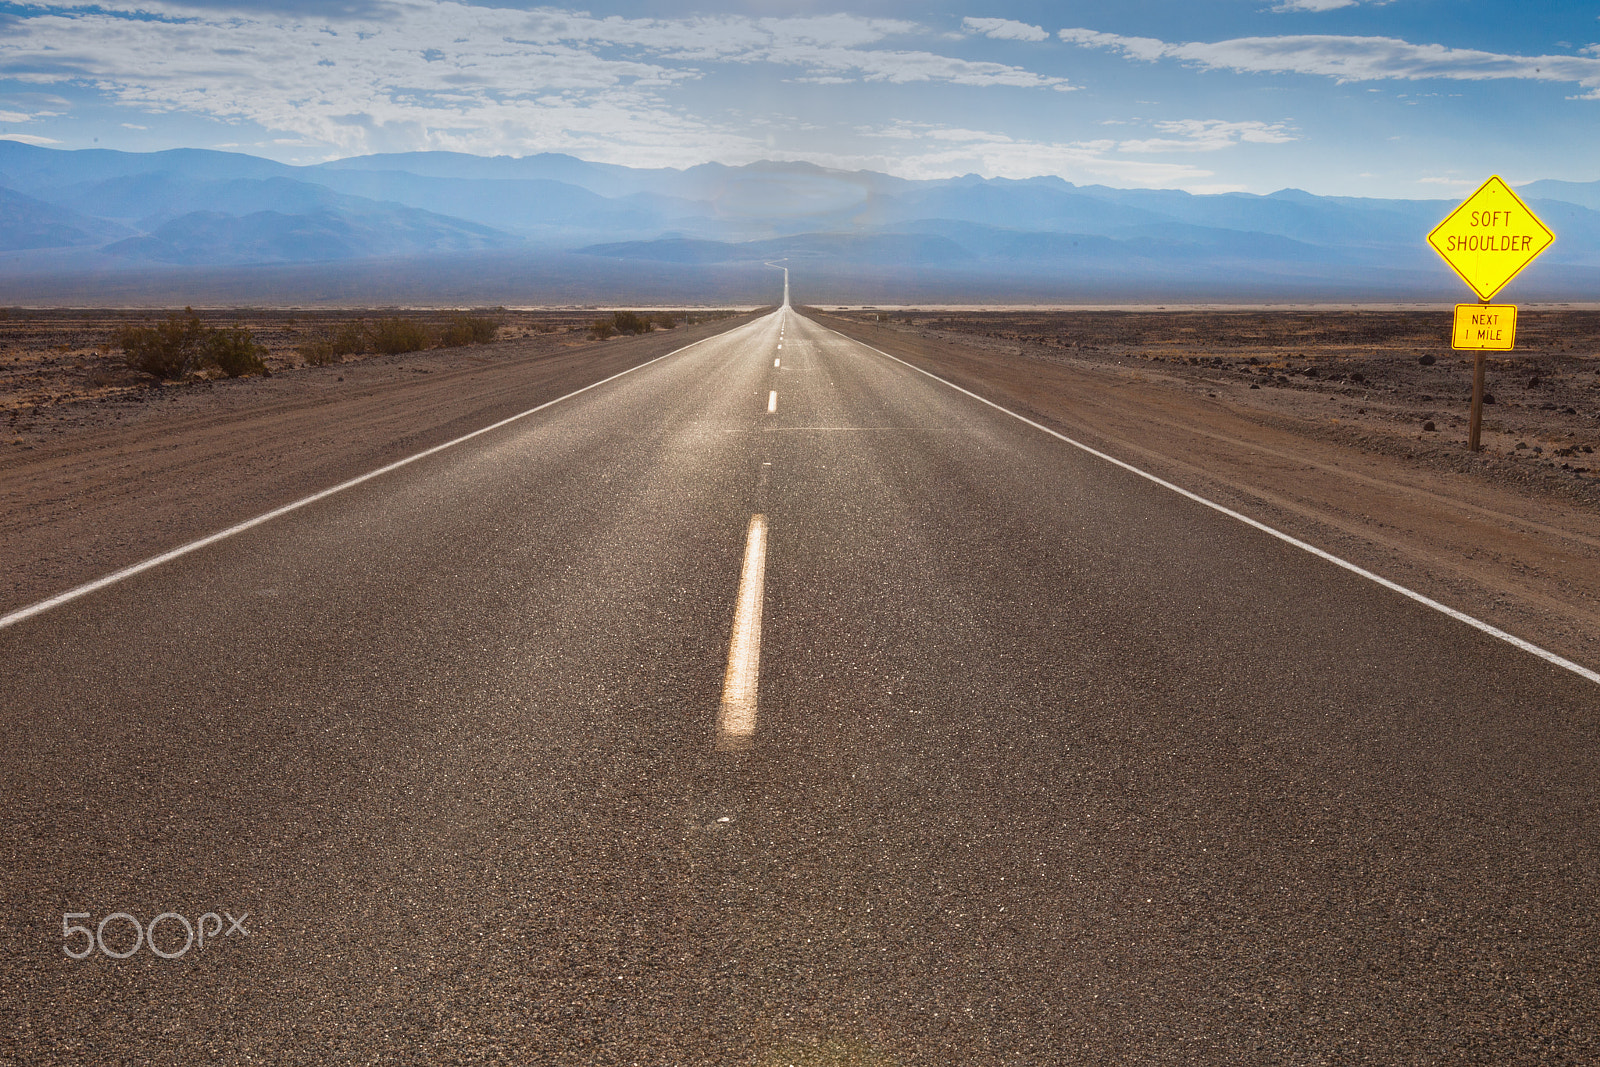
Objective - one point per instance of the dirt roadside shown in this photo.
(106, 481)
(1512, 540)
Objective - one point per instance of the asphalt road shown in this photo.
(1048, 765)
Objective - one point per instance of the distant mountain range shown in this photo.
(202, 226)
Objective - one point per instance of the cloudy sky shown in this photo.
(1413, 98)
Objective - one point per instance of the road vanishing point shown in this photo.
(774, 702)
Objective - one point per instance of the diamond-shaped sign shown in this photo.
(1490, 238)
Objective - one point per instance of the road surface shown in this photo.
(1021, 759)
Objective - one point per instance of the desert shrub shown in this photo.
(630, 322)
(233, 352)
(666, 320)
(181, 344)
(600, 329)
(469, 330)
(351, 338)
(348, 339)
(318, 352)
(394, 336)
(170, 349)
(696, 318)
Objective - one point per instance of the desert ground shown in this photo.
(62, 371)
(1343, 426)
(1386, 380)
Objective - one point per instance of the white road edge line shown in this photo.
(1460, 616)
(772, 402)
(736, 720)
(182, 550)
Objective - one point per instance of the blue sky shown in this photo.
(1406, 98)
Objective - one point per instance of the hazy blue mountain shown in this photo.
(1333, 222)
(604, 179)
(880, 248)
(769, 189)
(41, 171)
(28, 223)
(672, 250)
(1584, 194)
(1022, 246)
(211, 237)
(1039, 206)
(887, 249)
(528, 205)
(1175, 241)
(703, 182)
(858, 232)
(1577, 230)
(147, 200)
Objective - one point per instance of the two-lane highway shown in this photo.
(775, 703)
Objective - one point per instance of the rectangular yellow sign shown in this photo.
(1491, 326)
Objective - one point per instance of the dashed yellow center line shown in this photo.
(736, 721)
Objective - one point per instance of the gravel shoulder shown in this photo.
(1508, 536)
(101, 482)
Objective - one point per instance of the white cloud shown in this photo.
(332, 81)
(1313, 5)
(29, 138)
(1208, 135)
(31, 107)
(925, 150)
(699, 37)
(902, 67)
(445, 74)
(1005, 29)
(1351, 59)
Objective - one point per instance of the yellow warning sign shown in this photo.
(1490, 238)
(1488, 326)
